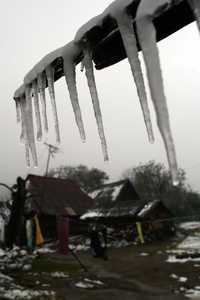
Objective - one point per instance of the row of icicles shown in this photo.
(36, 91)
(147, 38)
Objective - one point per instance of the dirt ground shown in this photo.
(134, 272)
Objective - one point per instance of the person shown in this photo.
(15, 224)
(2, 230)
(98, 241)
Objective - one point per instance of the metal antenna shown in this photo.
(51, 151)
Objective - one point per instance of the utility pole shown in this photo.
(51, 151)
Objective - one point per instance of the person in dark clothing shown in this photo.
(15, 224)
(98, 241)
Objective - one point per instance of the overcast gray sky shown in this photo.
(30, 29)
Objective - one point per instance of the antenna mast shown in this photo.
(51, 151)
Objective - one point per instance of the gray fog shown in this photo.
(31, 29)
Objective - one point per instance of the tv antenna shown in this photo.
(51, 151)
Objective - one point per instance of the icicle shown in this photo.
(95, 100)
(29, 125)
(195, 6)
(147, 39)
(50, 80)
(24, 136)
(129, 40)
(18, 112)
(41, 80)
(70, 76)
(37, 110)
(27, 154)
(82, 66)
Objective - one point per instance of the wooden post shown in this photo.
(63, 234)
(139, 231)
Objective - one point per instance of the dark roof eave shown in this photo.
(110, 49)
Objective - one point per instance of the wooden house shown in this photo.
(115, 203)
(54, 197)
(118, 205)
(156, 219)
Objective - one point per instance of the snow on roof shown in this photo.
(42, 65)
(147, 208)
(91, 214)
(96, 21)
(115, 212)
(117, 5)
(110, 190)
(19, 92)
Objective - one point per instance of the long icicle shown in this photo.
(29, 125)
(95, 100)
(37, 110)
(147, 39)
(129, 41)
(195, 6)
(24, 136)
(50, 80)
(18, 111)
(41, 80)
(70, 77)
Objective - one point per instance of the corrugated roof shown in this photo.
(115, 199)
(56, 196)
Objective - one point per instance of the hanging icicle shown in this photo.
(24, 136)
(82, 66)
(29, 124)
(50, 80)
(37, 110)
(70, 77)
(195, 6)
(127, 33)
(147, 39)
(95, 100)
(41, 80)
(18, 111)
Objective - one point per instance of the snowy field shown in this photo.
(37, 276)
(186, 251)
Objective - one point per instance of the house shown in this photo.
(53, 197)
(116, 202)
(118, 205)
(156, 219)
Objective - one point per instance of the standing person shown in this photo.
(105, 240)
(98, 241)
(2, 230)
(30, 230)
(15, 223)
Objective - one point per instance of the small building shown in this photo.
(118, 205)
(115, 203)
(156, 219)
(54, 197)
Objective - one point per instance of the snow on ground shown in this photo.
(84, 285)
(20, 293)
(191, 242)
(187, 251)
(59, 275)
(193, 293)
(189, 248)
(174, 259)
(89, 283)
(190, 225)
(12, 260)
